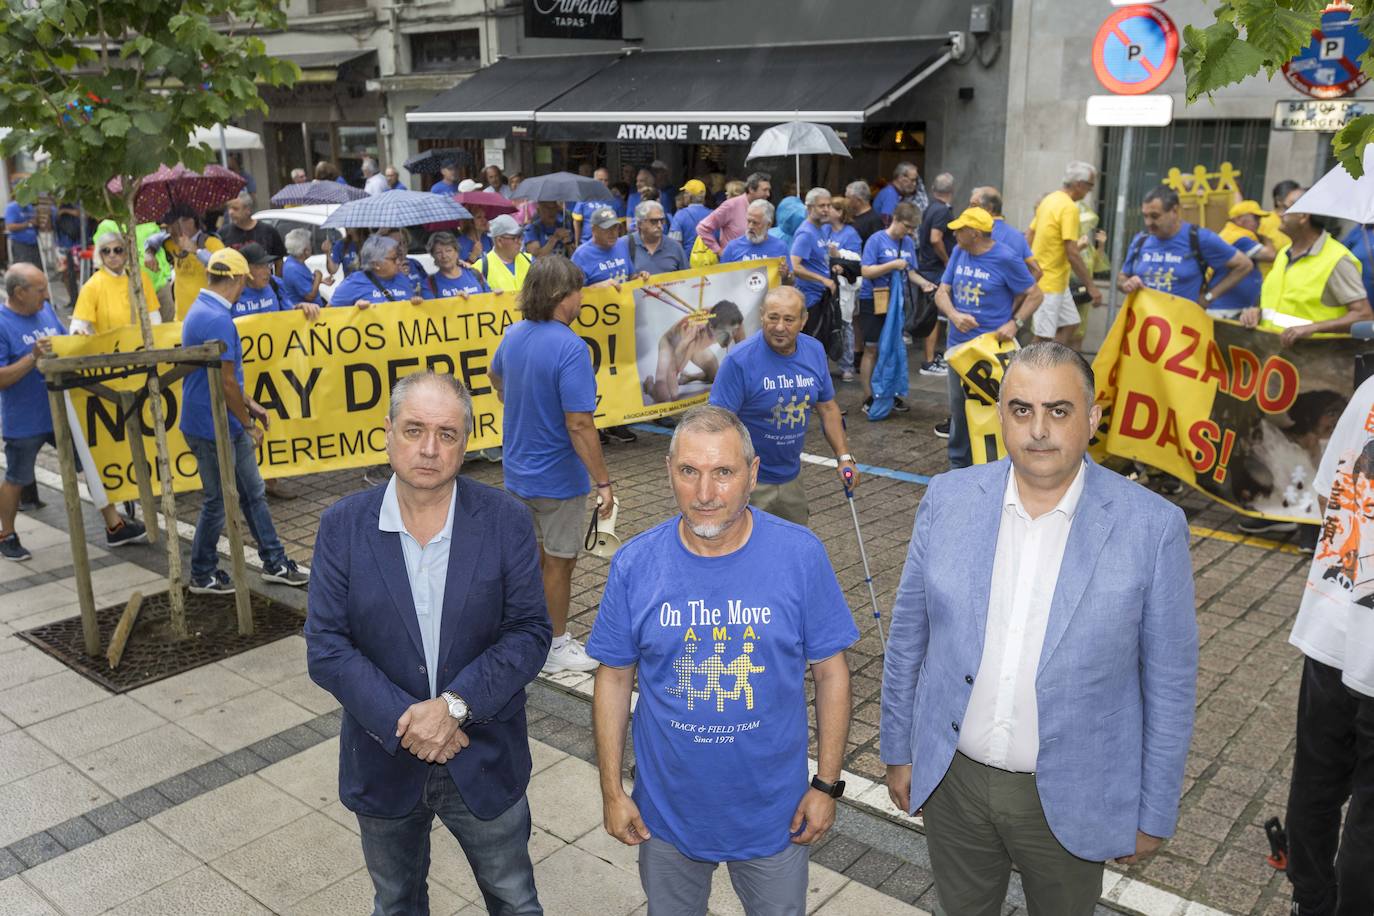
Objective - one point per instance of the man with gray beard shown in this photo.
(756, 244)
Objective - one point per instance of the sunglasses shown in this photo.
(112, 251)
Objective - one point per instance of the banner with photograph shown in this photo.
(326, 385)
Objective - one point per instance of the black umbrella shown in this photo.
(562, 186)
(432, 160)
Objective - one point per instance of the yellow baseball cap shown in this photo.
(695, 186)
(1246, 208)
(973, 218)
(227, 262)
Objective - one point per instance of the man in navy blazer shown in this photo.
(426, 620)
(1039, 681)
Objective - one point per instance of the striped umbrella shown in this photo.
(397, 208)
(176, 185)
(316, 192)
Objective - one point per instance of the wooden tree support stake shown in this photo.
(228, 489)
(126, 626)
(76, 525)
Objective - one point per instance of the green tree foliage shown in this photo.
(1253, 36)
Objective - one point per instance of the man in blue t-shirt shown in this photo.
(262, 293)
(811, 252)
(905, 187)
(986, 288)
(1172, 255)
(22, 228)
(542, 372)
(300, 283)
(889, 256)
(26, 318)
(448, 180)
(550, 232)
(605, 260)
(774, 381)
(210, 318)
(756, 244)
(1003, 233)
(684, 227)
(720, 611)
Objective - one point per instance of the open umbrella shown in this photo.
(491, 203)
(232, 138)
(432, 160)
(797, 139)
(316, 192)
(1337, 194)
(176, 185)
(562, 186)
(397, 208)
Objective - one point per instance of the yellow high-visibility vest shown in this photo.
(1292, 293)
(499, 276)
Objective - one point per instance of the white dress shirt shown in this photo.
(1000, 727)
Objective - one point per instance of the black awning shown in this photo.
(502, 99)
(729, 95)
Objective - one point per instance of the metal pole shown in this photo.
(1119, 225)
(223, 147)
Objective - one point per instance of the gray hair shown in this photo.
(1077, 171)
(644, 209)
(298, 243)
(990, 200)
(815, 194)
(859, 190)
(377, 248)
(942, 183)
(111, 236)
(16, 279)
(904, 168)
(369, 166)
(296, 172)
(755, 179)
(765, 206)
(708, 418)
(1165, 195)
(1047, 354)
(401, 390)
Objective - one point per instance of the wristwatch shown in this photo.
(834, 790)
(457, 707)
(845, 457)
(1020, 323)
(1207, 296)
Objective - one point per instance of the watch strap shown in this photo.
(834, 790)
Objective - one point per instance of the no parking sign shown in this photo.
(1329, 67)
(1135, 50)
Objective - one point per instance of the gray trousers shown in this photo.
(680, 886)
(785, 500)
(979, 821)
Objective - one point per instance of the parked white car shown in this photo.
(312, 217)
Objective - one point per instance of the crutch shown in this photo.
(863, 554)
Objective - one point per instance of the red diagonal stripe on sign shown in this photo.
(1144, 61)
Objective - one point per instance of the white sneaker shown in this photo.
(569, 657)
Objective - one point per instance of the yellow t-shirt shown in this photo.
(190, 274)
(1056, 222)
(104, 301)
(1271, 227)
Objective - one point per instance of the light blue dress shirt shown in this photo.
(427, 570)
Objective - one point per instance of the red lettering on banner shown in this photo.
(1134, 400)
(1228, 442)
(1203, 436)
(1287, 374)
(1126, 333)
(1215, 367)
(1168, 433)
(1175, 363)
(1245, 371)
(1162, 344)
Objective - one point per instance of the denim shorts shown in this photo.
(20, 456)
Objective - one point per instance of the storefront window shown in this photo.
(446, 51)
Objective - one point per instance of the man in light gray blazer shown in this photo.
(1039, 683)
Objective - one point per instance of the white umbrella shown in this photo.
(797, 139)
(233, 138)
(1337, 194)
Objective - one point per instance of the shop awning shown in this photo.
(501, 100)
(325, 66)
(729, 95)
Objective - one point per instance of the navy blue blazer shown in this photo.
(364, 647)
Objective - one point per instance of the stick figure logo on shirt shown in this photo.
(1161, 278)
(792, 414)
(969, 294)
(741, 668)
(688, 673)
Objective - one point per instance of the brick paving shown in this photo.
(1239, 764)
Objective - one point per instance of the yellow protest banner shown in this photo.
(980, 364)
(655, 347)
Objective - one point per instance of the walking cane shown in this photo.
(863, 554)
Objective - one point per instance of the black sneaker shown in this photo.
(29, 500)
(287, 574)
(11, 549)
(899, 405)
(622, 434)
(217, 583)
(1307, 539)
(1170, 486)
(1265, 525)
(128, 532)
(942, 428)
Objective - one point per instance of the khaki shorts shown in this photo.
(785, 500)
(560, 525)
(1055, 312)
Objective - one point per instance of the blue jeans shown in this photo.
(21, 454)
(396, 850)
(252, 500)
(960, 452)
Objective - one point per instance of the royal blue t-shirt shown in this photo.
(684, 228)
(881, 248)
(438, 286)
(1358, 241)
(539, 234)
(24, 405)
(256, 301)
(1168, 265)
(741, 249)
(984, 286)
(296, 281)
(345, 254)
(209, 319)
(845, 238)
(720, 730)
(1005, 234)
(546, 372)
(774, 396)
(357, 285)
(1247, 292)
(810, 250)
(466, 246)
(443, 187)
(604, 263)
(886, 200)
(21, 213)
